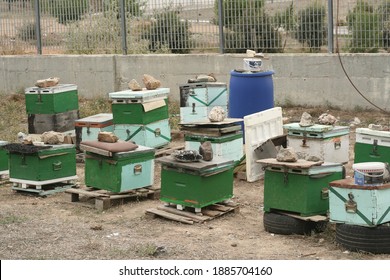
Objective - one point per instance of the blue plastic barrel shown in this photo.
(249, 93)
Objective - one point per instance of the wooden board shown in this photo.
(207, 122)
(188, 216)
(105, 199)
(165, 151)
(300, 163)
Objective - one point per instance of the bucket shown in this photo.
(249, 93)
(369, 173)
(252, 64)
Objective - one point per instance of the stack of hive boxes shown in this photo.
(141, 116)
(52, 108)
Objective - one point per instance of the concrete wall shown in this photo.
(299, 79)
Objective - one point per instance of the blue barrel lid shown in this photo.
(252, 74)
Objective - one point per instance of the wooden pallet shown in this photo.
(43, 190)
(188, 216)
(105, 199)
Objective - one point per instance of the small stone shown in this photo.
(286, 155)
(217, 114)
(108, 137)
(313, 158)
(134, 85)
(206, 150)
(306, 120)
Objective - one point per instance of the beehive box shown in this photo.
(228, 146)
(3, 158)
(51, 100)
(154, 135)
(359, 205)
(60, 122)
(92, 125)
(139, 107)
(53, 162)
(196, 184)
(122, 171)
(300, 187)
(197, 100)
(372, 146)
(328, 143)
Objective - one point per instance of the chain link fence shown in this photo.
(193, 26)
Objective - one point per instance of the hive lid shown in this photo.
(102, 119)
(313, 128)
(372, 132)
(144, 95)
(51, 90)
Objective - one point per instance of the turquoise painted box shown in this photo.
(92, 125)
(229, 146)
(196, 184)
(3, 158)
(51, 100)
(154, 135)
(197, 100)
(31, 163)
(372, 145)
(359, 205)
(300, 187)
(123, 171)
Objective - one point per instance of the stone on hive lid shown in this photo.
(217, 114)
(108, 137)
(150, 82)
(53, 137)
(306, 120)
(286, 155)
(49, 82)
(134, 85)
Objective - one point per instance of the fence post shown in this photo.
(38, 26)
(220, 25)
(123, 26)
(330, 26)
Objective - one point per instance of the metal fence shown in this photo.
(193, 26)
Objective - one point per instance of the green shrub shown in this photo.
(168, 30)
(66, 11)
(311, 27)
(364, 23)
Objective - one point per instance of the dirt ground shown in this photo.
(53, 227)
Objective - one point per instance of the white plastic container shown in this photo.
(252, 64)
(369, 173)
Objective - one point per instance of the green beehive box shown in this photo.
(300, 187)
(139, 113)
(122, 171)
(51, 100)
(372, 146)
(3, 158)
(55, 162)
(196, 184)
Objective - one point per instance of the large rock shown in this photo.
(53, 137)
(327, 119)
